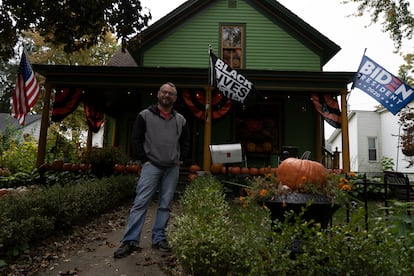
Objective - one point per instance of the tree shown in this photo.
(395, 17)
(76, 24)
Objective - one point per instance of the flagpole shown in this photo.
(207, 130)
(41, 150)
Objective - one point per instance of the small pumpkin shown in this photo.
(216, 168)
(67, 166)
(234, 170)
(57, 165)
(251, 147)
(119, 168)
(294, 172)
(194, 168)
(267, 147)
(244, 170)
(75, 167)
(254, 171)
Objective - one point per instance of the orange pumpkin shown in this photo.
(294, 172)
(235, 170)
(254, 171)
(267, 147)
(244, 170)
(67, 166)
(261, 171)
(251, 147)
(194, 168)
(119, 168)
(57, 165)
(216, 168)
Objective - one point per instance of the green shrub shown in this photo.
(20, 156)
(33, 215)
(213, 236)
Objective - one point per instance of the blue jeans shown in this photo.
(152, 178)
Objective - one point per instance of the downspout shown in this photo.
(345, 133)
(41, 149)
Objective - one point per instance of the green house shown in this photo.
(279, 53)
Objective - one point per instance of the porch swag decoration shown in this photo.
(196, 102)
(327, 105)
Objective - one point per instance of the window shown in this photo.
(232, 42)
(372, 149)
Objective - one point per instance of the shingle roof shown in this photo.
(122, 58)
(6, 120)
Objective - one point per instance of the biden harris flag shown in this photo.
(383, 86)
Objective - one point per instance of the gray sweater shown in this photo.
(163, 142)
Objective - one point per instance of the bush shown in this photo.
(30, 216)
(215, 237)
(210, 238)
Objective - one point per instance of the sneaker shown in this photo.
(162, 246)
(124, 250)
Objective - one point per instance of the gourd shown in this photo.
(294, 173)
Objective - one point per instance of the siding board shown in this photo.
(267, 45)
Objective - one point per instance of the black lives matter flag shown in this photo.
(232, 84)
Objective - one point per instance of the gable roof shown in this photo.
(275, 11)
(6, 120)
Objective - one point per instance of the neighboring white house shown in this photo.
(31, 126)
(373, 135)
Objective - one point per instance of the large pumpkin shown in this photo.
(294, 172)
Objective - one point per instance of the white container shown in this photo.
(226, 153)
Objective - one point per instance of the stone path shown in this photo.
(96, 257)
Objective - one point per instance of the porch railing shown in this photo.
(330, 159)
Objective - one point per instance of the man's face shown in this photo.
(167, 95)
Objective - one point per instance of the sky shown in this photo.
(335, 21)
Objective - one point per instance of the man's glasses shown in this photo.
(167, 93)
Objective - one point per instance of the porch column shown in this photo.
(41, 149)
(345, 134)
(207, 131)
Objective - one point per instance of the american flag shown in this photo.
(27, 90)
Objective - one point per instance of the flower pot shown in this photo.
(320, 209)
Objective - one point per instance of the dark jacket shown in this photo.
(160, 141)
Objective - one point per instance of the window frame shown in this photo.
(373, 150)
(230, 49)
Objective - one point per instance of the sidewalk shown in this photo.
(96, 258)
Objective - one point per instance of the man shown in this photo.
(160, 139)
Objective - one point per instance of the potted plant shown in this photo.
(103, 160)
(301, 185)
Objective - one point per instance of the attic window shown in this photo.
(232, 4)
(232, 45)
